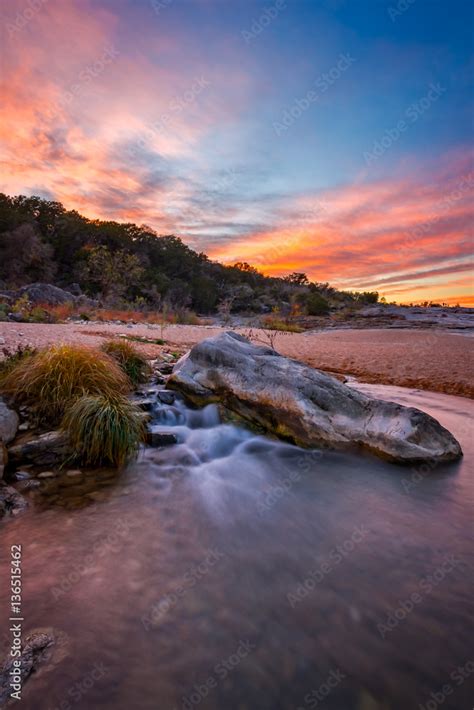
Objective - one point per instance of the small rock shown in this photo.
(2, 341)
(166, 396)
(9, 422)
(11, 502)
(145, 405)
(22, 475)
(46, 474)
(165, 368)
(161, 438)
(73, 473)
(24, 426)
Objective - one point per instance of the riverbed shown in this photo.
(236, 572)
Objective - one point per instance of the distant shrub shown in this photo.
(103, 429)
(4, 311)
(316, 305)
(276, 324)
(129, 359)
(50, 380)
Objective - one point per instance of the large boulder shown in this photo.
(45, 294)
(304, 405)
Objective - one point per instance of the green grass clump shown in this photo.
(104, 429)
(51, 380)
(129, 359)
(147, 341)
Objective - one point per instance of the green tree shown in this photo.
(316, 305)
(113, 273)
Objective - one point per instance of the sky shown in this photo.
(332, 137)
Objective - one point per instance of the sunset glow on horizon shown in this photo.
(318, 137)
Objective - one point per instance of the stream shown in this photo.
(235, 572)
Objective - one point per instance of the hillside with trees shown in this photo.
(123, 264)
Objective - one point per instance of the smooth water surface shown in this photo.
(234, 572)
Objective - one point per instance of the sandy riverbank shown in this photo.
(424, 359)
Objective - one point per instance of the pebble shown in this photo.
(46, 474)
(74, 472)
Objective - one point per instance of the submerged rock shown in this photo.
(33, 654)
(11, 502)
(166, 396)
(304, 405)
(160, 438)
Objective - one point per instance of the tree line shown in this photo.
(127, 264)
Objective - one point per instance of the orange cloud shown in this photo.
(374, 236)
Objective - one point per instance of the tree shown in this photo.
(316, 305)
(24, 256)
(297, 278)
(113, 273)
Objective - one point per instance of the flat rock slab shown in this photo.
(304, 405)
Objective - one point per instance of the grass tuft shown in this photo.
(12, 358)
(49, 381)
(129, 360)
(104, 429)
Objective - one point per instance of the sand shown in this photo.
(423, 359)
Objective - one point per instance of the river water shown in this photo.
(233, 572)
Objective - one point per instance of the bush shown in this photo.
(104, 429)
(51, 380)
(316, 305)
(129, 359)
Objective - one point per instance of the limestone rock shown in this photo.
(304, 405)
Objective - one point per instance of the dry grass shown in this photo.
(51, 380)
(104, 429)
